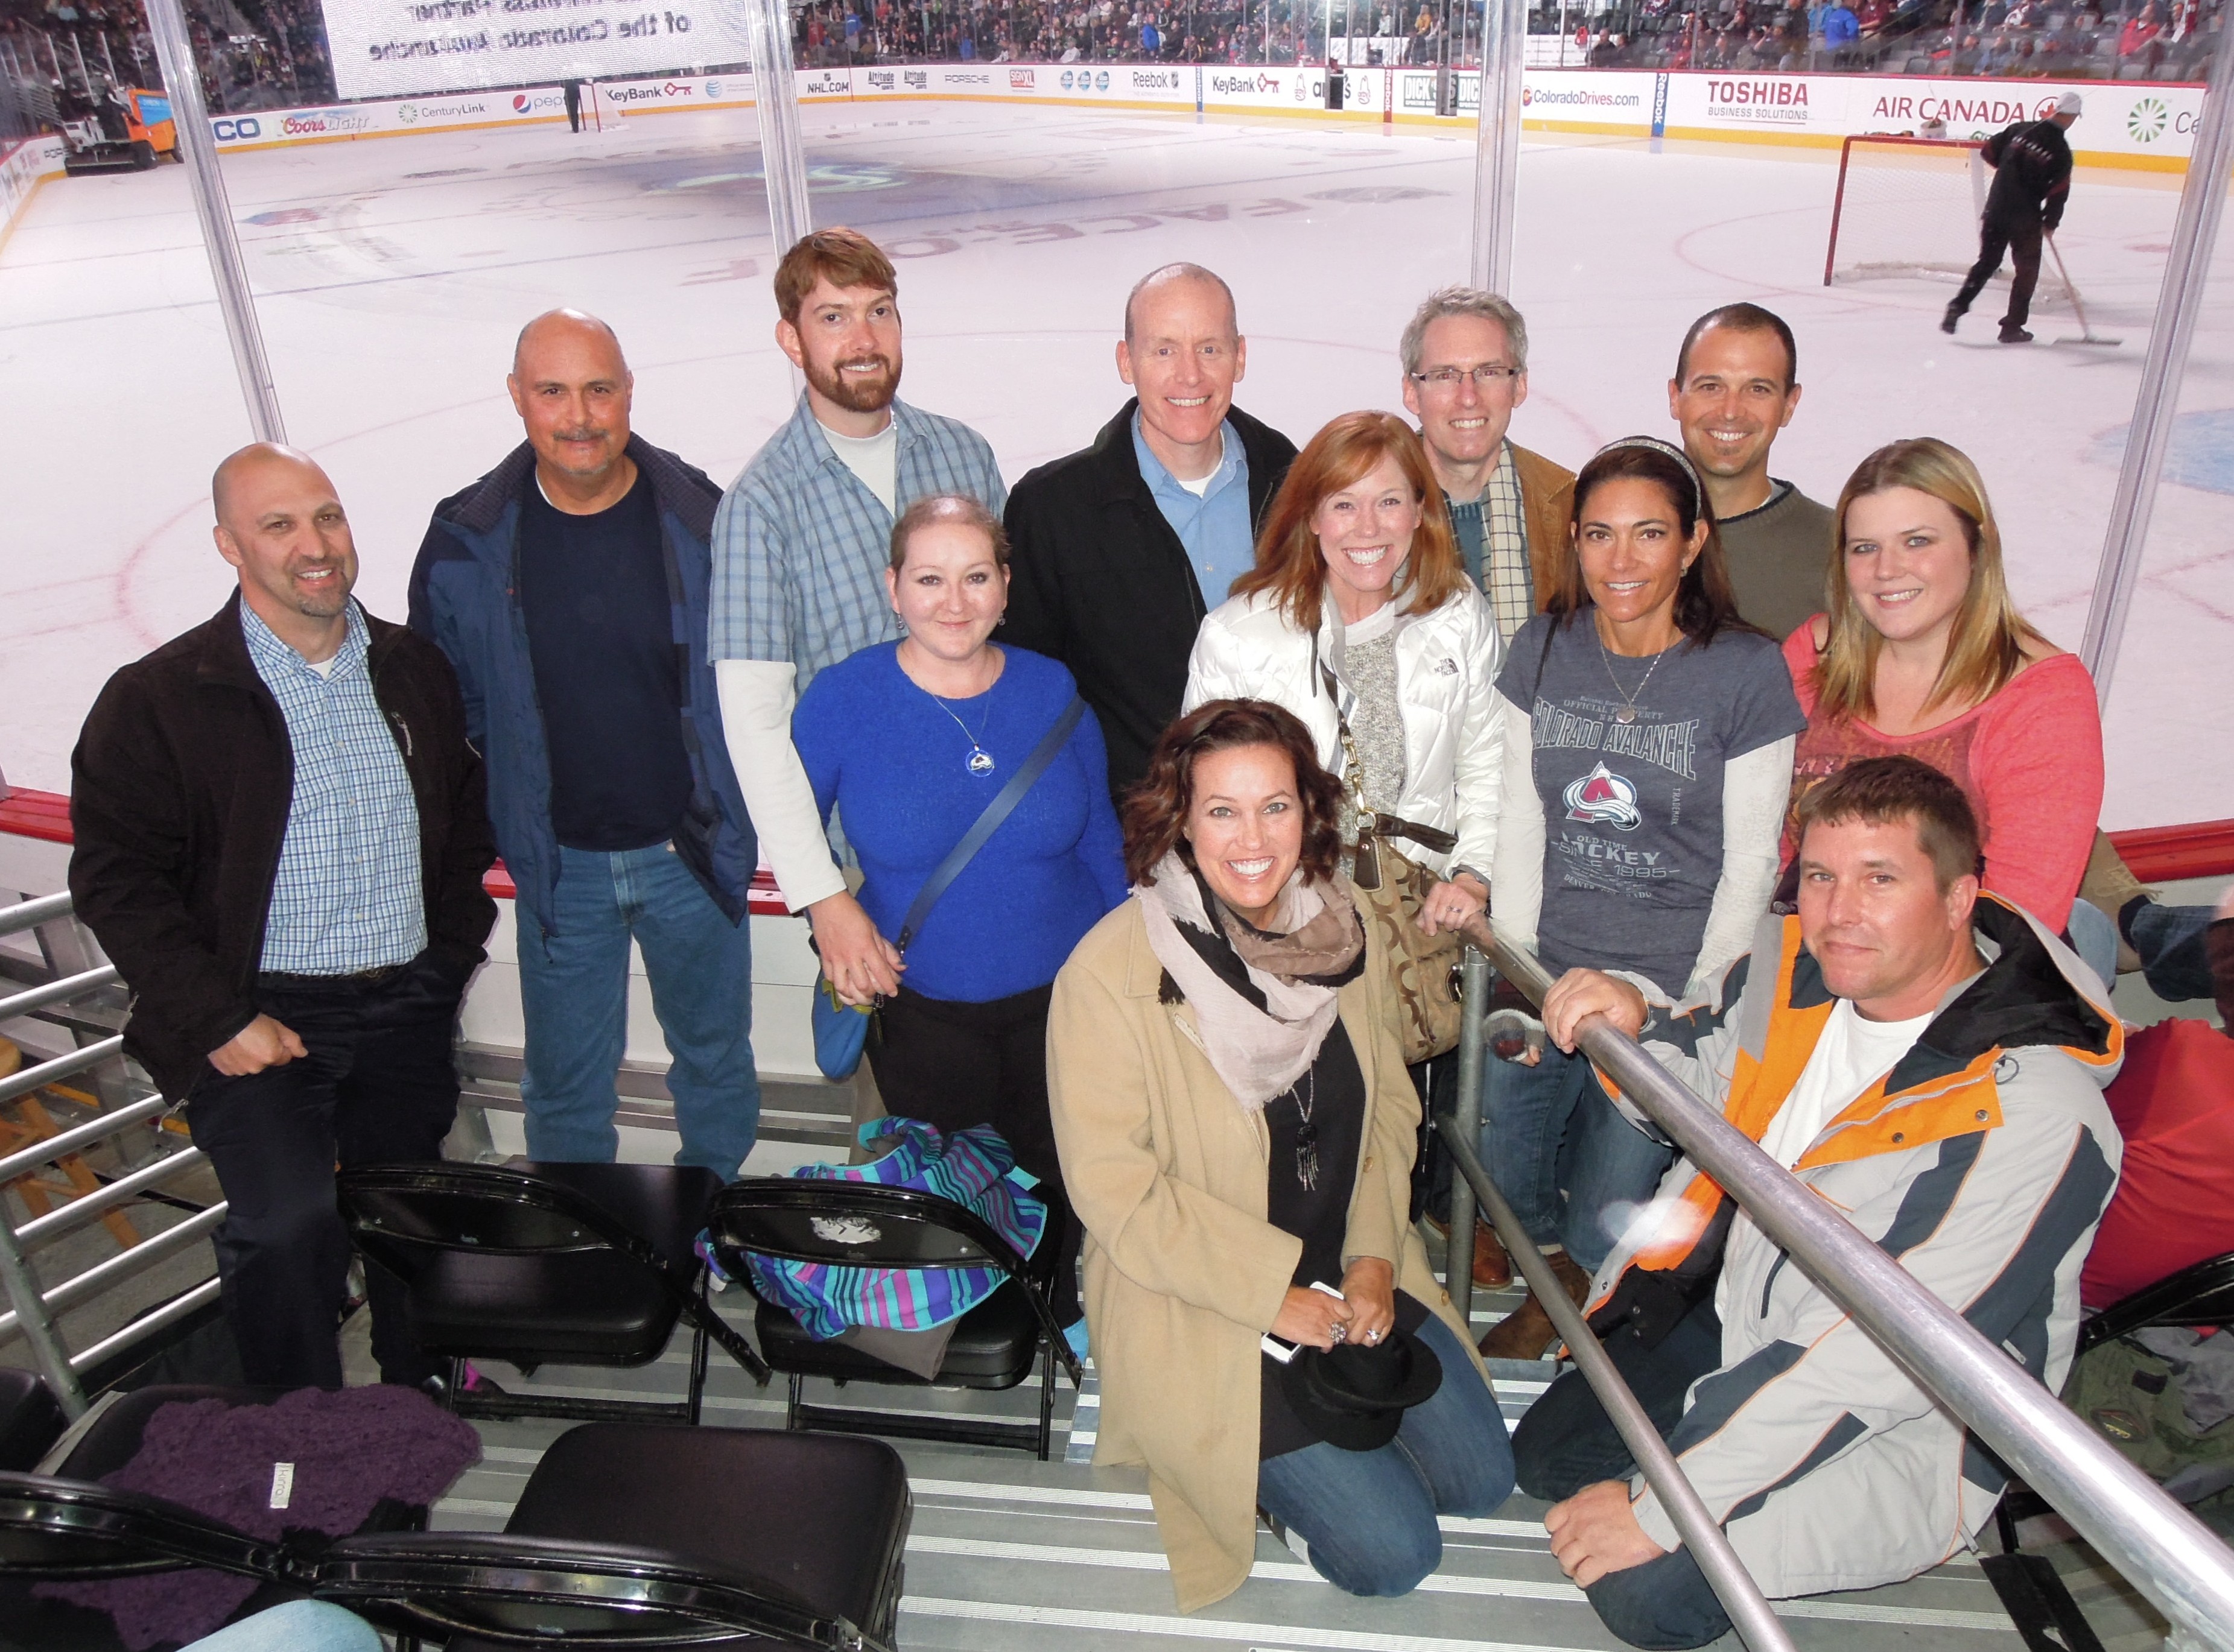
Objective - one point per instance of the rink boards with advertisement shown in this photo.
(2130, 124)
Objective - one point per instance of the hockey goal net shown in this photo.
(1908, 208)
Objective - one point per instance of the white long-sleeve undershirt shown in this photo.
(756, 704)
(1756, 786)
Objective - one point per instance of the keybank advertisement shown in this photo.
(385, 49)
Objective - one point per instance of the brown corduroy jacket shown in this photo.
(1547, 499)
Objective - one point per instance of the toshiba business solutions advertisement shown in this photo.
(384, 49)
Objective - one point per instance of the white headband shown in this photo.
(1698, 491)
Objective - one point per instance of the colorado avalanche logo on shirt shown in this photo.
(1603, 796)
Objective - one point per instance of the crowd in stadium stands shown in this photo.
(258, 54)
(1144, 804)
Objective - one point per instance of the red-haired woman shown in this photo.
(1359, 618)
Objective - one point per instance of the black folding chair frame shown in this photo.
(417, 1584)
(450, 1584)
(599, 1232)
(866, 1201)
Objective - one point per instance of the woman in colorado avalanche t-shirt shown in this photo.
(1648, 734)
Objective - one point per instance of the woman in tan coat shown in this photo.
(1237, 1130)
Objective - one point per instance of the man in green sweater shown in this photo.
(1736, 385)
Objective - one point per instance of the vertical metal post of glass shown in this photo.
(1475, 1009)
(775, 105)
(2202, 201)
(1497, 142)
(182, 80)
(20, 1288)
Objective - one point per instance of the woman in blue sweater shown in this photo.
(908, 742)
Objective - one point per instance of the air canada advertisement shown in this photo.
(402, 48)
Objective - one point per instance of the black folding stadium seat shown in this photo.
(92, 1532)
(625, 1536)
(852, 1225)
(2201, 1294)
(572, 1265)
(29, 1419)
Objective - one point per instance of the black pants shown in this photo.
(378, 1086)
(571, 93)
(1996, 236)
(954, 1065)
(1566, 1442)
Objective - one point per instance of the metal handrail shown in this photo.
(33, 1313)
(90, 1207)
(80, 1288)
(1709, 1545)
(46, 1072)
(29, 915)
(2164, 1550)
(55, 992)
(146, 1325)
(47, 1149)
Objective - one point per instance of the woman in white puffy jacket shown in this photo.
(1359, 615)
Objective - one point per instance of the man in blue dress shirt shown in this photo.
(1118, 551)
(280, 838)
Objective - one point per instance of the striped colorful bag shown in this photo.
(974, 1167)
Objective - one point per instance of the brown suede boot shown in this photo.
(1526, 1331)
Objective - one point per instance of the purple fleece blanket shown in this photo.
(350, 1448)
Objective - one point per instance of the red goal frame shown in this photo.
(1845, 156)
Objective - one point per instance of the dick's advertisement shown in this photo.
(402, 47)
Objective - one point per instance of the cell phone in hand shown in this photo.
(1279, 1347)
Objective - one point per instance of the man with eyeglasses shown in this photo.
(1466, 369)
(1117, 551)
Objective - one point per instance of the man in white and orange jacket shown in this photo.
(1928, 1061)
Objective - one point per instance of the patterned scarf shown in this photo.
(1264, 999)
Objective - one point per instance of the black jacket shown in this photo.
(2032, 173)
(465, 598)
(181, 784)
(1100, 582)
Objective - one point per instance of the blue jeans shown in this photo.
(2170, 942)
(574, 988)
(1569, 1163)
(379, 1086)
(2094, 938)
(1369, 1516)
(1566, 1442)
(298, 1626)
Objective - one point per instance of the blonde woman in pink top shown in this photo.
(1923, 655)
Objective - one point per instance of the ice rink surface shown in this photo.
(393, 274)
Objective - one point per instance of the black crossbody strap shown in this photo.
(990, 822)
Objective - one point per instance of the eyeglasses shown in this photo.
(1484, 375)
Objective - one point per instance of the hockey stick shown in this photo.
(2086, 334)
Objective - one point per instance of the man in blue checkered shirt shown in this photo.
(800, 546)
(280, 838)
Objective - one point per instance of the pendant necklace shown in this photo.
(1307, 1134)
(1627, 712)
(980, 761)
